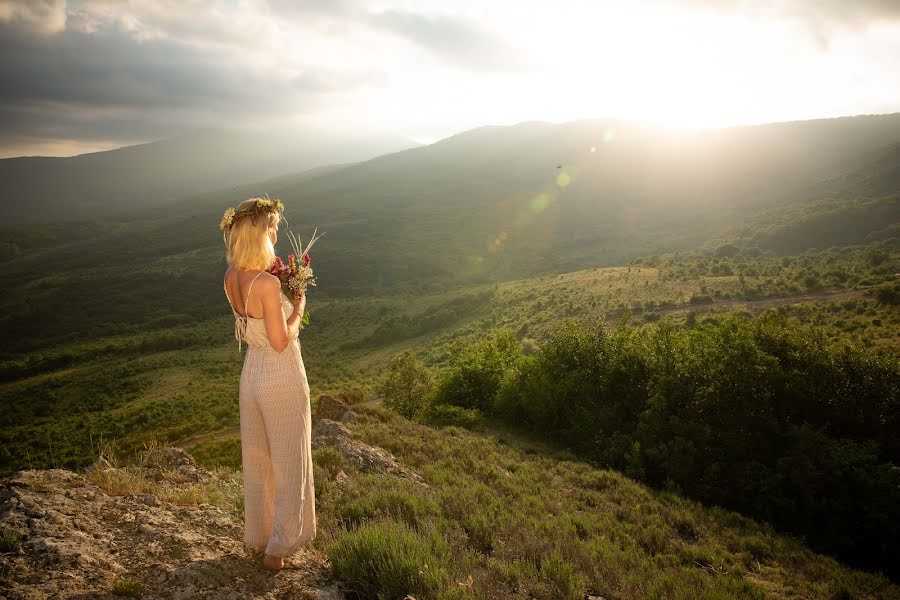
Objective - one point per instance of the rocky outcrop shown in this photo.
(67, 537)
(164, 528)
(369, 459)
(334, 409)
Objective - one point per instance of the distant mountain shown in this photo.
(42, 189)
(491, 204)
(506, 202)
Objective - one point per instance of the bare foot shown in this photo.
(273, 563)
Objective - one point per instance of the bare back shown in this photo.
(240, 286)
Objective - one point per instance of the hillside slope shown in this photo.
(494, 516)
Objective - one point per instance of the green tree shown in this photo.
(477, 369)
(407, 386)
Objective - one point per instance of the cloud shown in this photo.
(453, 40)
(133, 71)
(45, 16)
(821, 19)
(848, 12)
(113, 74)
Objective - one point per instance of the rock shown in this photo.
(334, 409)
(101, 464)
(79, 541)
(370, 459)
(326, 428)
(167, 457)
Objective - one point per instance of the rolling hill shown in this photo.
(488, 205)
(45, 189)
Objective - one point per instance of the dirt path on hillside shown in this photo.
(764, 303)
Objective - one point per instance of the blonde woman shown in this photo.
(279, 498)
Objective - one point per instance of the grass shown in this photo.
(224, 489)
(10, 539)
(127, 587)
(508, 516)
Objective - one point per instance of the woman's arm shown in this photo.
(281, 331)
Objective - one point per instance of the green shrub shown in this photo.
(398, 504)
(9, 539)
(565, 582)
(476, 370)
(408, 385)
(443, 415)
(385, 559)
(330, 460)
(352, 395)
(128, 587)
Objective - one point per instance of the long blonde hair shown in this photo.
(247, 242)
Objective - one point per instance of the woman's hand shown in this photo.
(300, 303)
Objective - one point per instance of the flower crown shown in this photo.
(262, 205)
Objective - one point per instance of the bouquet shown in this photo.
(296, 275)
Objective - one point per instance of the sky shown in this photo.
(81, 76)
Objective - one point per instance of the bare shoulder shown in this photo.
(268, 282)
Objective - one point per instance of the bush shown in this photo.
(888, 294)
(10, 539)
(352, 395)
(443, 415)
(128, 587)
(408, 386)
(473, 378)
(385, 559)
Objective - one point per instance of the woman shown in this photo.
(279, 498)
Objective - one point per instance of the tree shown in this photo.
(476, 369)
(407, 386)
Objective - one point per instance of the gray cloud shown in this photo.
(108, 85)
(101, 70)
(452, 40)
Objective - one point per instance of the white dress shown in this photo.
(276, 449)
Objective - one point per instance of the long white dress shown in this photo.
(276, 429)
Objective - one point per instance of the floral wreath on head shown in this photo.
(261, 206)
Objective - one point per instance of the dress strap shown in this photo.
(240, 321)
(249, 290)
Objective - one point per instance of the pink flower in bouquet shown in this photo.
(296, 275)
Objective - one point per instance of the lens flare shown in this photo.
(540, 202)
(497, 243)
